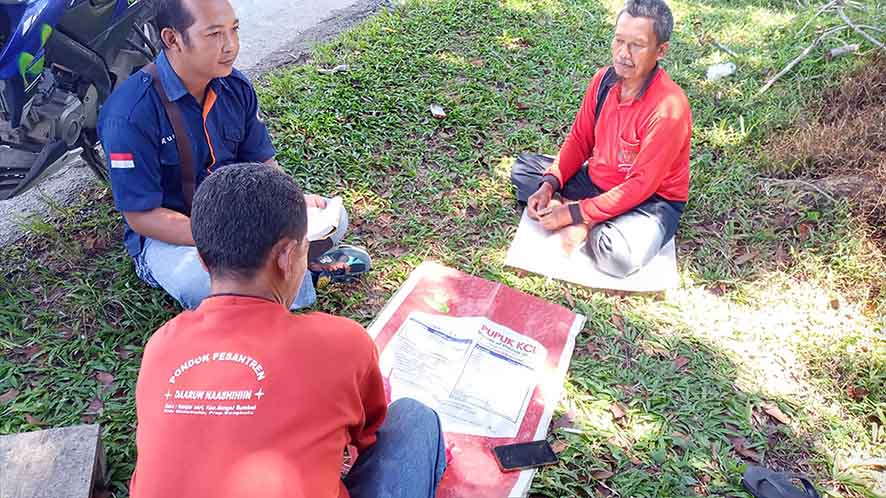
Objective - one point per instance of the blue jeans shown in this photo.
(177, 270)
(407, 460)
(618, 246)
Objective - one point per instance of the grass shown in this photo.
(782, 299)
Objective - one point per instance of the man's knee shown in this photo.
(342, 227)
(426, 434)
(611, 252)
(192, 290)
(408, 412)
(178, 271)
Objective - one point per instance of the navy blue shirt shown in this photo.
(140, 143)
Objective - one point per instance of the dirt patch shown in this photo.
(843, 150)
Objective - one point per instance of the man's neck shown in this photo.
(195, 86)
(630, 89)
(255, 288)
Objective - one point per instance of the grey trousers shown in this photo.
(619, 246)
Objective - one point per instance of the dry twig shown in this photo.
(823, 8)
(724, 48)
(778, 181)
(859, 30)
(838, 52)
(804, 54)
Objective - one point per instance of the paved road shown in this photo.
(273, 32)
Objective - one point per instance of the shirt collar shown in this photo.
(648, 82)
(173, 85)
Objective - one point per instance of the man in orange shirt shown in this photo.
(240, 397)
(621, 179)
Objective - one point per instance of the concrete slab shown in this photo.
(273, 33)
(66, 462)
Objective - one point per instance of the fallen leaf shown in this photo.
(385, 219)
(803, 230)
(680, 362)
(835, 304)
(739, 443)
(635, 460)
(857, 393)
(564, 420)
(96, 407)
(398, 251)
(34, 420)
(341, 68)
(104, 378)
(89, 242)
(781, 255)
(775, 412)
(680, 439)
(8, 396)
(602, 475)
(478, 62)
(617, 409)
(522, 107)
(30, 352)
(568, 295)
(744, 258)
(559, 446)
(618, 322)
(437, 111)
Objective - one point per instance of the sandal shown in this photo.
(764, 483)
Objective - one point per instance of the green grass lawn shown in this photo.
(783, 294)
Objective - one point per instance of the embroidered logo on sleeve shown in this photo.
(122, 160)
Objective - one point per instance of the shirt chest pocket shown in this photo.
(628, 149)
(233, 137)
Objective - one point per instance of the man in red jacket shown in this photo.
(621, 179)
(240, 397)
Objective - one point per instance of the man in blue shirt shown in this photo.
(216, 106)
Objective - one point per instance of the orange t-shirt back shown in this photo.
(241, 397)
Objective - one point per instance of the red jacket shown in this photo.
(640, 148)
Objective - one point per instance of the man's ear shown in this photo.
(283, 256)
(289, 252)
(172, 39)
(662, 50)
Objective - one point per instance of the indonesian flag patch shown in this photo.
(122, 161)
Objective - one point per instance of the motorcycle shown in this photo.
(59, 62)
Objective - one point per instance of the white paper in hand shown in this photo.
(323, 222)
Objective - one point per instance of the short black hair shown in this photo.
(173, 14)
(240, 212)
(658, 11)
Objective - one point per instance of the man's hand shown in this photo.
(315, 201)
(555, 217)
(539, 200)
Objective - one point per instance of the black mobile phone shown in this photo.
(511, 457)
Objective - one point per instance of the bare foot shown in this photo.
(572, 236)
